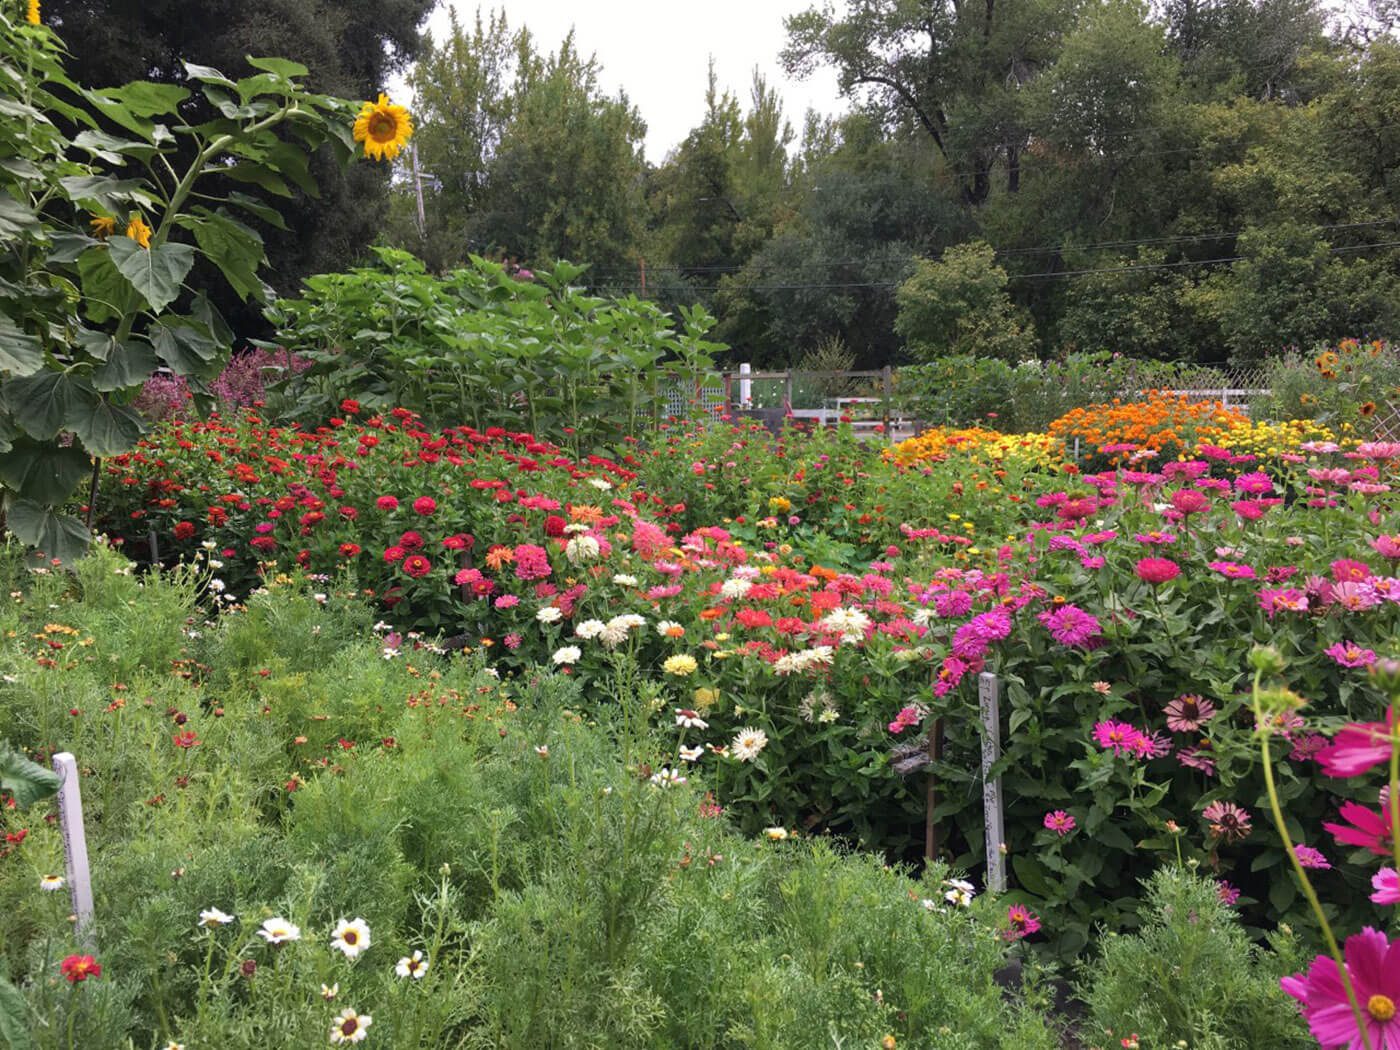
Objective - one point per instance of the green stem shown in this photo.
(1277, 811)
(1393, 799)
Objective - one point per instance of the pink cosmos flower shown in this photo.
(1070, 625)
(1060, 822)
(1021, 922)
(1309, 857)
(1364, 827)
(1387, 886)
(1357, 747)
(1157, 570)
(1188, 712)
(1349, 654)
(1373, 966)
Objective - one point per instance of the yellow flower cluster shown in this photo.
(1269, 439)
(979, 445)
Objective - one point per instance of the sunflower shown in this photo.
(32, 15)
(1368, 408)
(139, 232)
(383, 127)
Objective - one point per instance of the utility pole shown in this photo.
(418, 178)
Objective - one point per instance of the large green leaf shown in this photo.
(103, 194)
(126, 366)
(21, 354)
(267, 214)
(111, 149)
(155, 272)
(45, 403)
(146, 99)
(27, 781)
(206, 74)
(14, 1017)
(233, 247)
(17, 218)
(108, 429)
(43, 473)
(283, 67)
(259, 176)
(105, 290)
(56, 535)
(186, 347)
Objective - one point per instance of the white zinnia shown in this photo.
(748, 743)
(549, 614)
(581, 549)
(623, 580)
(569, 654)
(589, 629)
(735, 588)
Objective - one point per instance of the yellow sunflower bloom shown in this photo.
(383, 127)
(139, 232)
(102, 226)
(32, 15)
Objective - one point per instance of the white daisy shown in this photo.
(51, 883)
(279, 931)
(667, 777)
(748, 743)
(212, 918)
(414, 966)
(350, 938)
(692, 754)
(350, 1027)
(329, 992)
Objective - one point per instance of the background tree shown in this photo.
(959, 305)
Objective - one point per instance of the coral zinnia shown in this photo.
(1373, 965)
(383, 127)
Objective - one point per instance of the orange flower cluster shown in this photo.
(1159, 422)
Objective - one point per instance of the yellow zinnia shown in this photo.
(32, 15)
(383, 127)
(103, 226)
(139, 232)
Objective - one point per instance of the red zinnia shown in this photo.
(349, 550)
(1157, 570)
(78, 968)
(425, 505)
(416, 565)
(554, 525)
(387, 503)
(350, 406)
(184, 530)
(393, 554)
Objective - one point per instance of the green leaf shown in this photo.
(1031, 875)
(290, 160)
(17, 218)
(43, 404)
(112, 149)
(234, 248)
(100, 193)
(269, 215)
(43, 473)
(207, 74)
(147, 99)
(21, 354)
(259, 176)
(155, 272)
(283, 67)
(186, 347)
(14, 1017)
(108, 429)
(105, 290)
(56, 535)
(27, 781)
(68, 246)
(129, 365)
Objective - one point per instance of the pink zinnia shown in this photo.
(1060, 822)
(1070, 625)
(1232, 570)
(1348, 570)
(1373, 966)
(1228, 821)
(1387, 546)
(1189, 501)
(1287, 600)
(1357, 747)
(1349, 654)
(1157, 570)
(1187, 713)
(1256, 483)
(1021, 922)
(1309, 857)
(1121, 738)
(1387, 885)
(386, 503)
(1195, 758)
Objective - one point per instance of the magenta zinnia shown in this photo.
(1373, 965)
(1364, 827)
(1157, 570)
(1070, 625)
(1021, 922)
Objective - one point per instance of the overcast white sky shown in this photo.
(658, 53)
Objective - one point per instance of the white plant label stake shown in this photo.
(70, 818)
(988, 690)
